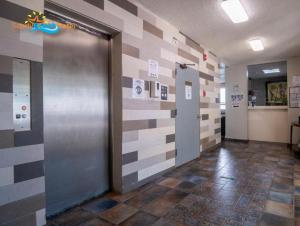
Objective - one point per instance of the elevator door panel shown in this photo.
(76, 119)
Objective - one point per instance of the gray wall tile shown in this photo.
(6, 176)
(23, 207)
(98, 3)
(14, 12)
(205, 116)
(128, 6)
(129, 157)
(206, 76)
(28, 171)
(130, 179)
(6, 83)
(126, 82)
(6, 138)
(19, 155)
(22, 190)
(170, 138)
(6, 64)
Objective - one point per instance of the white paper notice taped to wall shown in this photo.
(153, 68)
(138, 88)
(296, 80)
(188, 90)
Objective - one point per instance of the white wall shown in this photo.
(293, 68)
(237, 118)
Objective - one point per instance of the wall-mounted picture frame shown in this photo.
(276, 93)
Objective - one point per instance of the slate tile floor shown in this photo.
(238, 185)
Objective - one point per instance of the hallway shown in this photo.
(238, 184)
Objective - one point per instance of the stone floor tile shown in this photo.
(121, 197)
(281, 197)
(96, 222)
(185, 186)
(140, 219)
(182, 215)
(297, 183)
(280, 209)
(100, 205)
(170, 182)
(72, 218)
(165, 222)
(118, 214)
(147, 196)
(268, 219)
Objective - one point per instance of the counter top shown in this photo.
(268, 108)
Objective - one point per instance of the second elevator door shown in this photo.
(76, 121)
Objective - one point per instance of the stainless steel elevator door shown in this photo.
(76, 119)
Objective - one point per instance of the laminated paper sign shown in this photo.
(138, 88)
(188, 90)
(153, 68)
(296, 80)
(236, 99)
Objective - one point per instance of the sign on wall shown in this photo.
(138, 88)
(153, 68)
(164, 92)
(296, 80)
(294, 95)
(188, 90)
(236, 97)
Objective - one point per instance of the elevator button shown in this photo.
(23, 115)
(18, 116)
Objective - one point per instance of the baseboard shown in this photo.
(267, 142)
(212, 148)
(236, 140)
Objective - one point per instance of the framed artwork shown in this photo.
(276, 93)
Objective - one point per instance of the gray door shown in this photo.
(187, 119)
(76, 121)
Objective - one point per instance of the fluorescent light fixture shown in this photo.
(235, 10)
(271, 71)
(256, 45)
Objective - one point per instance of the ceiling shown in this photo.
(256, 71)
(276, 22)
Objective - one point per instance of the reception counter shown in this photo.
(268, 123)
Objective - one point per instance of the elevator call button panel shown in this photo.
(154, 89)
(21, 95)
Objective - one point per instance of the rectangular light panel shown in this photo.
(235, 10)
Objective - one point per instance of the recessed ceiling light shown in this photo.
(256, 45)
(235, 10)
(271, 71)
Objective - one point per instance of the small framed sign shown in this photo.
(188, 90)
